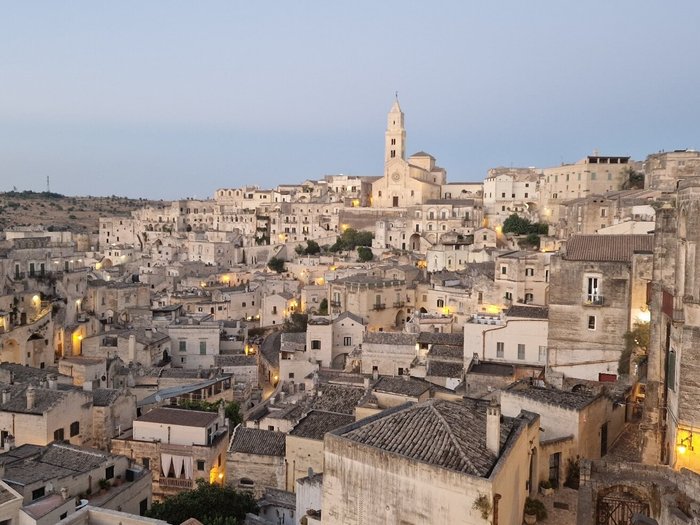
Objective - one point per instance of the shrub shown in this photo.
(573, 472)
(536, 507)
(483, 505)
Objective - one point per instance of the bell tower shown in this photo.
(395, 136)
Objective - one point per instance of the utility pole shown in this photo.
(48, 185)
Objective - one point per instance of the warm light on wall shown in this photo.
(493, 309)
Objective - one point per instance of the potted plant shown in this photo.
(104, 485)
(534, 511)
(546, 487)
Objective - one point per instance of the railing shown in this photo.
(176, 483)
(593, 300)
(335, 304)
(399, 304)
(378, 306)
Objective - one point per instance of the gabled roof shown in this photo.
(446, 434)
(257, 441)
(349, 315)
(422, 154)
(607, 248)
(528, 312)
(317, 422)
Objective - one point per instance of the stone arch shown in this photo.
(615, 505)
(415, 242)
(400, 318)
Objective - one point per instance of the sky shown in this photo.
(171, 99)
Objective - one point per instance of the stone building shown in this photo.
(194, 342)
(672, 413)
(388, 353)
(405, 182)
(523, 276)
(50, 478)
(663, 170)
(508, 191)
(598, 290)
(592, 174)
(255, 460)
(178, 446)
(304, 444)
(433, 462)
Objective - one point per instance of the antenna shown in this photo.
(48, 185)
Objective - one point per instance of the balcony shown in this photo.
(593, 300)
(379, 306)
(399, 304)
(176, 483)
(335, 304)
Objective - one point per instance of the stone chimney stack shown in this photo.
(53, 382)
(493, 427)
(5, 395)
(31, 397)
(9, 443)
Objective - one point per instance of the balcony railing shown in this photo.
(335, 304)
(378, 306)
(593, 300)
(176, 483)
(399, 304)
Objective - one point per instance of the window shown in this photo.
(480, 297)
(671, 371)
(183, 346)
(521, 352)
(393, 142)
(291, 375)
(400, 371)
(74, 428)
(440, 303)
(529, 272)
(503, 195)
(58, 435)
(504, 270)
(509, 296)
(146, 462)
(542, 354)
(109, 472)
(315, 344)
(500, 347)
(200, 464)
(38, 493)
(593, 289)
(202, 348)
(591, 322)
(593, 176)
(246, 482)
(274, 310)
(603, 212)
(347, 341)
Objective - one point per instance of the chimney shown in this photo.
(222, 415)
(31, 397)
(53, 382)
(132, 348)
(493, 427)
(64, 493)
(366, 383)
(5, 395)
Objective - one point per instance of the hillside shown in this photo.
(61, 212)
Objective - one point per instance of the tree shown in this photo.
(632, 179)
(351, 239)
(276, 265)
(636, 341)
(299, 250)
(296, 322)
(312, 248)
(232, 410)
(364, 254)
(522, 226)
(211, 504)
(323, 307)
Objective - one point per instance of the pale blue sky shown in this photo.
(168, 99)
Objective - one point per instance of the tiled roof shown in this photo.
(44, 399)
(404, 385)
(235, 360)
(529, 312)
(552, 396)
(349, 315)
(492, 369)
(102, 397)
(338, 398)
(178, 416)
(278, 498)
(57, 460)
(256, 441)
(390, 338)
(271, 348)
(441, 338)
(317, 422)
(442, 369)
(607, 248)
(446, 352)
(446, 434)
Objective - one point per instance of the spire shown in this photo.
(395, 108)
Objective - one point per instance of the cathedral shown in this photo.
(406, 182)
